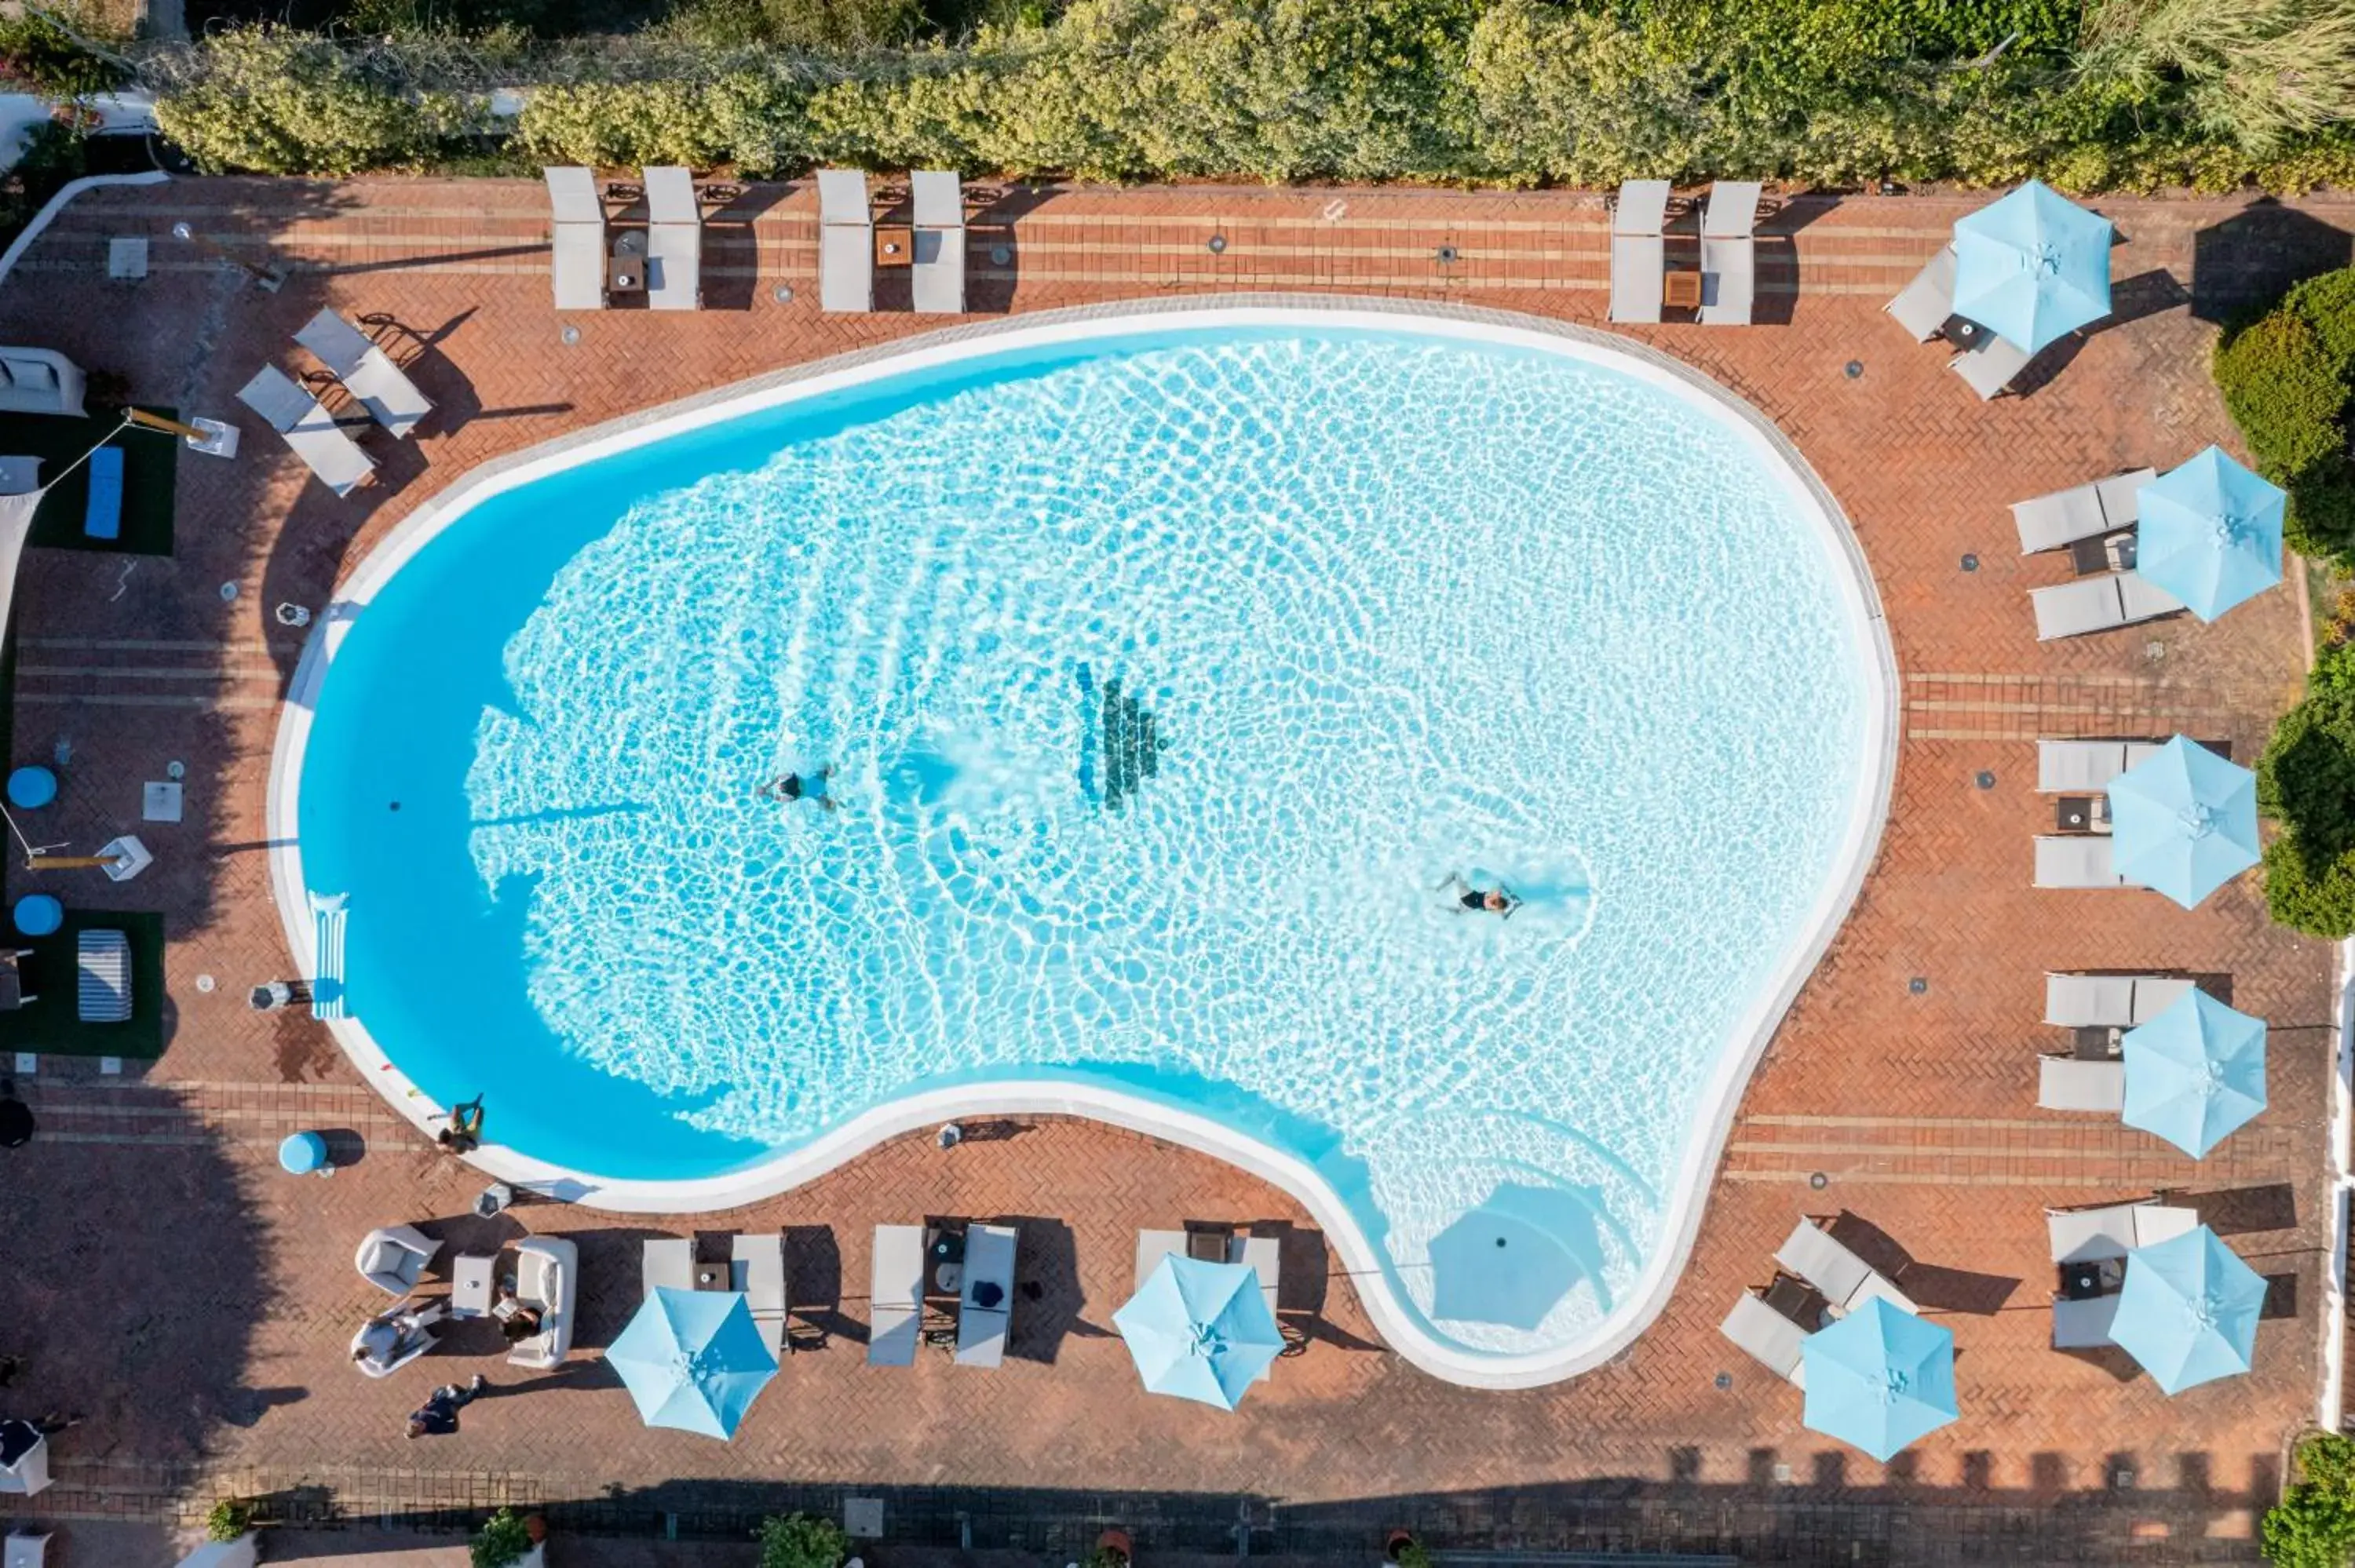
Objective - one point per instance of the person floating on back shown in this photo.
(464, 1133)
(793, 786)
(1471, 900)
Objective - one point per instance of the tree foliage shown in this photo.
(2314, 1526)
(2288, 379)
(38, 53)
(277, 102)
(2255, 72)
(503, 1539)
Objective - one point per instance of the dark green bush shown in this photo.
(2288, 379)
(40, 55)
(2305, 782)
(503, 1539)
(801, 1540)
(2314, 1526)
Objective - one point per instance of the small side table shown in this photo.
(2073, 814)
(895, 245)
(470, 1285)
(1680, 291)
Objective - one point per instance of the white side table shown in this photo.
(470, 1285)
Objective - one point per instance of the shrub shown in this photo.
(1415, 1554)
(2306, 781)
(38, 53)
(2314, 1526)
(230, 1519)
(800, 1540)
(503, 1539)
(280, 102)
(2286, 380)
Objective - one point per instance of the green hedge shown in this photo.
(2314, 1525)
(1503, 92)
(2288, 380)
(2305, 782)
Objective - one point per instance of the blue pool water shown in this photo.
(1163, 680)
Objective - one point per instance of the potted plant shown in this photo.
(506, 1540)
(231, 1519)
(801, 1540)
(1113, 1550)
(1404, 1550)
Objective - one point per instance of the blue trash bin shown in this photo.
(30, 788)
(39, 914)
(304, 1154)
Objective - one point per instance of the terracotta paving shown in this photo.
(167, 1282)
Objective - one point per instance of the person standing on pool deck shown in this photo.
(793, 786)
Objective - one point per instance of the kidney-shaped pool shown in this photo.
(1126, 715)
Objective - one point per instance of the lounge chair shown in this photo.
(317, 439)
(758, 1269)
(1640, 251)
(381, 387)
(674, 240)
(2099, 604)
(102, 994)
(2075, 1084)
(896, 1297)
(2083, 1323)
(2113, 1230)
(846, 246)
(548, 1278)
(1924, 306)
(1729, 253)
(1770, 1339)
(2109, 1002)
(667, 1263)
(2076, 861)
(2080, 512)
(985, 1296)
(412, 1326)
(936, 280)
(393, 1257)
(2087, 767)
(1846, 1280)
(1990, 365)
(577, 266)
(102, 513)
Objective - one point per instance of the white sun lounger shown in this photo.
(895, 1295)
(2084, 1325)
(1846, 1280)
(1990, 365)
(758, 1269)
(846, 247)
(2110, 1002)
(1639, 253)
(1771, 1340)
(387, 394)
(2080, 512)
(2076, 861)
(936, 278)
(317, 439)
(667, 1263)
(547, 1279)
(2114, 1230)
(1729, 253)
(1922, 306)
(988, 1260)
(2076, 1084)
(577, 263)
(102, 994)
(674, 239)
(2098, 604)
(2069, 767)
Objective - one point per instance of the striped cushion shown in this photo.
(105, 990)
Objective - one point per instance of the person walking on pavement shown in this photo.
(438, 1416)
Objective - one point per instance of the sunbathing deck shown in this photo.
(165, 1278)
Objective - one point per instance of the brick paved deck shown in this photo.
(164, 1279)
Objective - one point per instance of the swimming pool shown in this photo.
(1166, 666)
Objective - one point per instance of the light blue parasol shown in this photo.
(2033, 267)
(693, 1360)
(2184, 821)
(1879, 1378)
(2189, 1310)
(2195, 1072)
(2209, 532)
(1201, 1331)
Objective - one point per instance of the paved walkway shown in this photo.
(195, 1305)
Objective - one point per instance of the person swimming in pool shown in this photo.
(1474, 901)
(793, 786)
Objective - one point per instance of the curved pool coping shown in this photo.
(1398, 1323)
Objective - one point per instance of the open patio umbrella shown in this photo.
(1879, 1378)
(693, 1360)
(2033, 267)
(1201, 1331)
(1511, 1260)
(2209, 532)
(2183, 822)
(2189, 1310)
(2195, 1072)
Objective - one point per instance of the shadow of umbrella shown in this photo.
(1511, 1260)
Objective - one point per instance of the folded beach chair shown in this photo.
(577, 266)
(387, 394)
(937, 277)
(674, 239)
(1770, 1339)
(986, 1300)
(1922, 306)
(846, 246)
(1729, 253)
(2074, 1083)
(1990, 365)
(2080, 512)
(667, 1263)
(1846, 1280)
(548, 1278)
(103, 994)
(101, 514)
(2110, 1002)
(1639, 253)
(896, 1296)
(317, 439)
(393, 1257)
(2099, 604)
(2113, 1230)
(758, 1269)
(2076, 859)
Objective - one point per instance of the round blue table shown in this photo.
(30, 788)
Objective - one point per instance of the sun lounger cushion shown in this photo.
(1846, 1280)
(1152, 1246)
(2076, 859)
(896, 1296)
(1922, 306)
(2073, 1084)
(667, 1263)
(936, 278)
(2065, 766)
(317, 439)
(1637, 264)
(1729, 280)
(2083, 1325)
(674, 240)
(1770, 1339)
(2062, 518)
(104, 993)
(985, 1303)
(1991, 364)
(2098, 604)
(2154, 994)
(2121, 496)
(2090, 1235)
(103, 517)
(758, 1269)
(1641, 207)
(2089, 1002)
(382, 387)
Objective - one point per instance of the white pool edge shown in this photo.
(1399, 1325)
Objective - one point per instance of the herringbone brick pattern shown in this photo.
(163, 1278)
